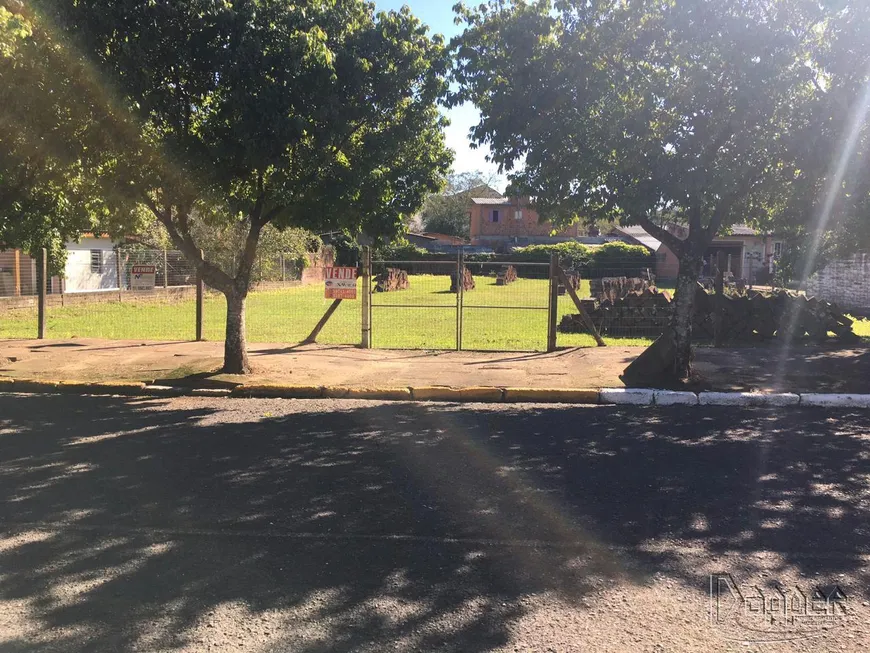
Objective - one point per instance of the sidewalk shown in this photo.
(332, 365)
(807, 368)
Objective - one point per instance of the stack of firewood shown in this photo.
(748, 318)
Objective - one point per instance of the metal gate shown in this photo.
(507, 310)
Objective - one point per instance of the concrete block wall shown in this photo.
(845, 282)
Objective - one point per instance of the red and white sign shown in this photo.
(340, 283)
(142, 277)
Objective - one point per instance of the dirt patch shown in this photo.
(803, 369)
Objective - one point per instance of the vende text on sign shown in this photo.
(142, 277)
(340, 283)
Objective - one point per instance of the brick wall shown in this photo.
(845, 282)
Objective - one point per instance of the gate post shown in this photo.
(199, 300)
(41, 276)
(367, 298)
(553, 305)
(460, 284)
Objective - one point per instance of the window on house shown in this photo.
(518, 214)
(495, 215)
(96, 260)
(777, 250)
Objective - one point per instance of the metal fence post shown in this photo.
(165, 269)
(460, 286)
(199, 300)
(367, 298)
(553, 305)
(118, 272)
(42, 273)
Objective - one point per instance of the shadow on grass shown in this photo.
(120, 515)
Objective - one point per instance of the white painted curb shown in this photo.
(674, 398)
(835, 400)
(748, 399)
(626, 396)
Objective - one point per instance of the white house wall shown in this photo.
(79, 276)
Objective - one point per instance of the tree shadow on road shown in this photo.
(133, 524)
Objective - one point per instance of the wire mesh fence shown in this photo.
(626, 303)
(413, 304)
(142, 294)
(508, 307)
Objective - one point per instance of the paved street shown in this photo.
(315, 526)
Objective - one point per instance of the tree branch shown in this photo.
(670, 241)
(728, 202)
(211, 274)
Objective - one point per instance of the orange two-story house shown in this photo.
(501, 223)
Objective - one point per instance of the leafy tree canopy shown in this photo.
(313, 113)
(447, 212)
(704, 110)
(46, 197)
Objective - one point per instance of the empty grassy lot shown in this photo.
(512, 317)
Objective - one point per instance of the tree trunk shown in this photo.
(236, 344)
(684, 311)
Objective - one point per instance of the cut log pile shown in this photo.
(392, 279)
(638, 313)
(508, 274)
(467, 281)
(574, 279)
(757, 316)
(614, 288)
(761, 316)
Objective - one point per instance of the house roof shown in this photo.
(638, 234)
(742, 230)
(481, 191)
(447, 238)
(491, 201)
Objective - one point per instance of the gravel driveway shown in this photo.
(269, 525)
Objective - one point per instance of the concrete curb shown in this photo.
(674, 398)
(748, 399)
(579, 396)
(551, 396)
(835, 400)
(627, 396)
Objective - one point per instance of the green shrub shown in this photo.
(571, 254)
(400, 250)
(620, 251)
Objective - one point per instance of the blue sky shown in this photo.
(438, 15)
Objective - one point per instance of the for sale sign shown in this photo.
(341, 283)
(142, 277)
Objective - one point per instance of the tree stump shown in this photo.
(467, 281)
(508, 274)
(392, 279)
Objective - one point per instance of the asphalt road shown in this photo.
(309, 526)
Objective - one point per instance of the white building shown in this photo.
(91, 265)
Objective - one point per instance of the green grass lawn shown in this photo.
(495, 317)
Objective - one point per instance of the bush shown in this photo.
(400, 250)
(619, 251)
(571, 254)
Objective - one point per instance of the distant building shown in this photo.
(91, 265)
(434, 242)
(502, 223)
(745, 252)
